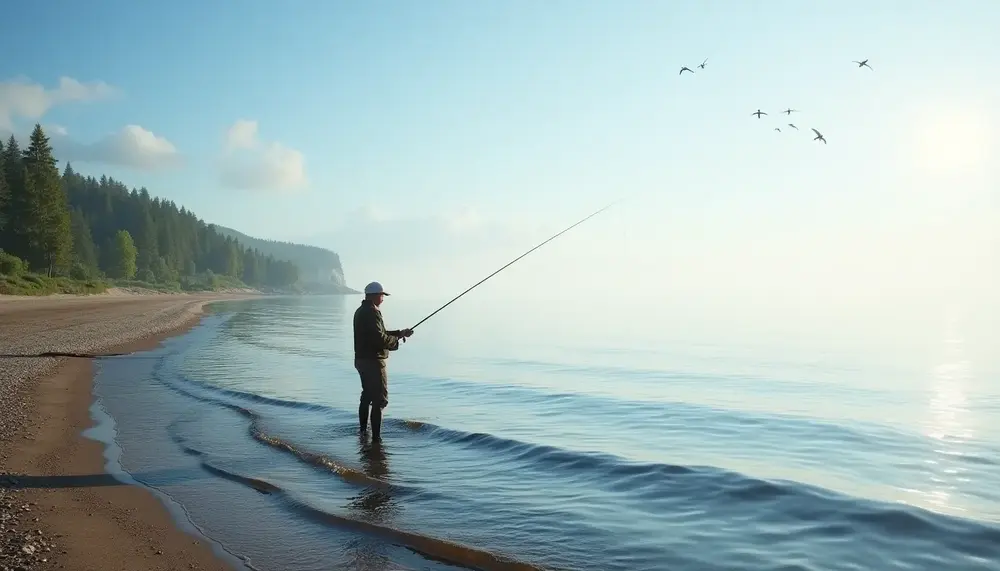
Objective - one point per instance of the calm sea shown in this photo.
(512, 442)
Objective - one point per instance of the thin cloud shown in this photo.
(21, 98)
(132, 146)
(248, 163)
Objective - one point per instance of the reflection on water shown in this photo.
(373, 504)
(949, 425)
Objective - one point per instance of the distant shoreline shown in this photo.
(132, 291)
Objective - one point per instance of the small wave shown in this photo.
(191, 451)
(969, 458)
(429, 547)
(545, 456)
(318, 460)
(656, 482)
(642, 480)
(961, 535)
(254, 397)
(652, 412)
(324, 461)
(258, 484)
(295, 351)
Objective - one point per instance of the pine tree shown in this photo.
(84, 250)
(10, 157)
(147, 241)
(4, 195)
(20, 232)
(251, 273)
(163, 272)
(52, 239)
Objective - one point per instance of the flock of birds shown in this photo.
(789, 111)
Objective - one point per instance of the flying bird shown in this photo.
(819, 136)
(683, 69)
(864, 64)
(790, 111)
(793, 126)
(758, 113)
(702, 64)
(777, 129)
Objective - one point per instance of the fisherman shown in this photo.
(372, 344)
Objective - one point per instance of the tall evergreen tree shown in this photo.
(4, 194)
(163, 272)
(84, 249)
(22, 233)
(146, 240)
(12, 239)
(51, 246)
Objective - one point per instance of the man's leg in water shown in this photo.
(376, 422)
(366, 400)
(381, 398)
(363, 412)
(375, 392)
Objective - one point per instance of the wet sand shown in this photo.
(59, 508)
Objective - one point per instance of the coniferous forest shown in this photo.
(64, 225)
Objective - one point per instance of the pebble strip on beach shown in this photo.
(85, 326)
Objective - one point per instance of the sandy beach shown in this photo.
(59, 509)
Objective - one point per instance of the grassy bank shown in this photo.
(202, 282)
(19, 282)
(38, 284)
(15, 279)
(34, 284)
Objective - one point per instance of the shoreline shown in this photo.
(59, 504)
(114, 293)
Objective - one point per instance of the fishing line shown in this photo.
(515, 260)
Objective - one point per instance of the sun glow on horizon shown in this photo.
(950, 140)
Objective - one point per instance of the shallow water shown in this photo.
(527, 455)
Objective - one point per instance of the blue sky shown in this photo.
(430, 142)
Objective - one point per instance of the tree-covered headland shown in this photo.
(64, 232)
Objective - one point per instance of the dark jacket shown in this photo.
(371, 340)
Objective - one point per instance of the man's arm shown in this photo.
(401, 333)
(375, 331)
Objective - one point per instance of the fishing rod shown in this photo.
(512, 262)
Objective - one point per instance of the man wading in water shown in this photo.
(372, 344)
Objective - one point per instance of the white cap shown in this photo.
(374, 287)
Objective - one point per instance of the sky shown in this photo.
(430, 143)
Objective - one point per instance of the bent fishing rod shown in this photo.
(474, 286)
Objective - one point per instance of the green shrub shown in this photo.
(11, 265)
(79, 272)
(33, 284)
